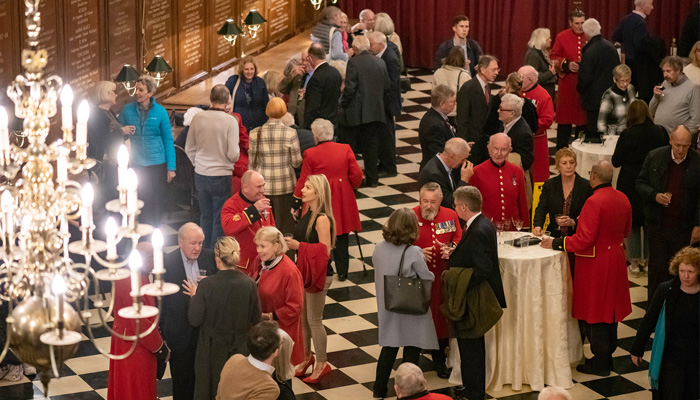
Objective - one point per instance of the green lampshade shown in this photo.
(254, 18)
(127, 74)
(230, 28)
(158, 64)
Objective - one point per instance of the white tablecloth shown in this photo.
(588, 154)
(536, 341)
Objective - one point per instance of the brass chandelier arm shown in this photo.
(6, 347)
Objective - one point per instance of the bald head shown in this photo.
(680, 141)
(253, 185)
(367, 18)
(529, 75)
(456, 151)
(190, 238)
(499, 147)
(603, 171)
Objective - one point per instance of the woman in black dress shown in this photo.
(635, 142)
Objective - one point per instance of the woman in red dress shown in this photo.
(280, 287)
(134, 377)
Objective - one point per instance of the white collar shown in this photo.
(481, 82)
(261, 365)
(381, 53)
(509, 125)
(448, 169)
(677, 161)
(471, 220)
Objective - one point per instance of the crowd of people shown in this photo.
(275, 169)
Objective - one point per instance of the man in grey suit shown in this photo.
(473, 100)
(367, 89)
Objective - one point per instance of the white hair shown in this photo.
(409, 379)
(591, 27)
(377, 37)
(512, 101)
(538, 39)
(554, 393)
(322, 130)
(361, 43)
(639, 3)
(287, 119)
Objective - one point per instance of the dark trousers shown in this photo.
(592, 122)
(664, 242)
(212, 191)
(152, 185)
(365, 139)
(340, 254)
(387, 147)
(677, 381)
(603, 339)
(439, 355)
(387, 357)
(564, 134)
(472, 353)
(182, 371)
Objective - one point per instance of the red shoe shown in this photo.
(306, 366)
(326, 371)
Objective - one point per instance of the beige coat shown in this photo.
(242, 381)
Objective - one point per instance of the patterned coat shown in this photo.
(613, 108)
(276, 156)
(567, 47)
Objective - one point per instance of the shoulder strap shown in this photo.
(401, 262)
(459, 77)
(330, 40)
(233, 94)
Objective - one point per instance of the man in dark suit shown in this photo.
(296, 73)
(514, 125)
(380, 47)
(182, 268)
(669, 185)
(322, 90)
(595, 74)
(478, 249)
(435, 129)
(473, 100)
(643, 53)
(444, 169)
(472, 50)
(367, 90)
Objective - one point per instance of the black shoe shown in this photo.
(589, 369)
(379, 394)
(342, 277)
(371, 184)
(386, 174)
(442, 371)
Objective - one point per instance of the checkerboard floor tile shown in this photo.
(350, 315)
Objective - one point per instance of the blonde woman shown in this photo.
(384, 24)
(273, 79)
(224, 306)
(692, 70)
(537, 55)
(314, 237)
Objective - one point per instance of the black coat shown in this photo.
(632, 148)
(367, 90)
(690, 33)
(545, 77)
(434, 171)
(478, 249)
(472, 110)
(598, 59)
(393, 67)
(474, 52)
(433, 133)
(322, 94)
(521, 142)
(520, 134)
(552, 202)
(652, 180)
(174, 325)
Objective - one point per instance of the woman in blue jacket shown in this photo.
(248, 94)
(152, 149)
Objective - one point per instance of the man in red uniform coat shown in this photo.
(601, 291)
(502, 184)
(545, 116)
(438, 231)
(243, 214)
(566, 54)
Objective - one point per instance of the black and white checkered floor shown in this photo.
(351, 310)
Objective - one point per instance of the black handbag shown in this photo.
(162, 358)
(406, 295)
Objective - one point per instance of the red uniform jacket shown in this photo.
(135, 376)
(503, 192)
(282, 293)
(567, 47)
(601, 290)
(337, 162)
(545, 116)
(240, 219)
(444, 228)
(312, 262)
(241, 166)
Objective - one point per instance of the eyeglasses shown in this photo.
(504, 109)
(455, 204)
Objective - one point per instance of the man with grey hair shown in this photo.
(212, 146)
(595, 75)
(473, 99)
(545, 116)
(410, 383)
(439, 230)
(183, 268)
(366, 23)
(327, 33)
(510, 114)
(367, 90)
(435, 129)
(601, 296)
(554, 393)
(449, 169)
(677, 100)
(642, 51)
(322, 89)
(477, 250)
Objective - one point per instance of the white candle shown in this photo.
(81, 129)
(67, 107)
(157, 241)
(62, 164)
(132, 200)
(135, 265)
(4, 133)
(123, 165)
(111, 233)
(7, 205)
(58, 287)
(87, 195)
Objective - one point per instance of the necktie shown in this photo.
(486, 92)
(452, 128)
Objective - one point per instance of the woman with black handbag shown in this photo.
(413, 332)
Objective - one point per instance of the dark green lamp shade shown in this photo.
(158, 64)
(254, 18)
(230, 28)
(127, 74)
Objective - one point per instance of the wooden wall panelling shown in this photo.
(306, 15)
(193, 41)
(260, 41)
(10, 42)
(159, 38)
(82, 42)
(221, 53)
(280, 19)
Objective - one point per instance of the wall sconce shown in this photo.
(253, 21)
(128, 76)
(230, 31)
(158, 69)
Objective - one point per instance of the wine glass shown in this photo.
(506, 225)
(499, 230)
(518, 224)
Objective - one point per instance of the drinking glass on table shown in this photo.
(499, 231)
(518, 224)
(559, 219)
(506, 225)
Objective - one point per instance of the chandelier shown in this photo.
(47, 292)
